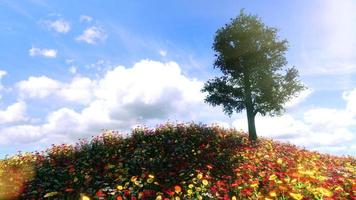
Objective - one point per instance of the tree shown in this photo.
(251, 58)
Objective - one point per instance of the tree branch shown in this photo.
(256, 111)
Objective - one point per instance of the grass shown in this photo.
(177, 161)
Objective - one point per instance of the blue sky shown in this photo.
(72, 68)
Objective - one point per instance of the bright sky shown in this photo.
(71, 68)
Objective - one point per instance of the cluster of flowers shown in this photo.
(177, 161)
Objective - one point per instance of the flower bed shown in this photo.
(177, 161)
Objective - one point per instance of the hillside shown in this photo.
(177, 161)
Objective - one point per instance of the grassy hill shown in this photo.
(177, 161)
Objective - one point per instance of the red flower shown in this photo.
(100, 193)
(247, 191)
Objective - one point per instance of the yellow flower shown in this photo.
(338, 188)
(190, 192)
(272, 194)
(200, 197)
(322, 178)
(159, 197)
(84, 197)
(151, 176)
(200, 176)
(254, 185)
(150, 180)
(133, 179)
(119, 187)
(177, 198)
(296, 196)
(279, 161)
(233, 198)
(205, 182)
(137, 182)
(190, 186)
(324, 192)
(272, 177)
(198, 189)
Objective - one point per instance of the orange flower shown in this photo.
(283, 188)
(177, 189)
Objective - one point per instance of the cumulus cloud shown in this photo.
(92, 35)
(78, 90)
(72, 69)
(60, 25)
(2, 74)
(49, 53)
(350, 97)
(121, 98)
(163, 53)
(85, 18)
(37, 87)
(13, 113)
(302, 96)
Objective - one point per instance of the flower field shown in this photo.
(177, 161)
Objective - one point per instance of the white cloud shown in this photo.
(60, 25)
(49, 53)
(20, 134)
(2, 74)
(69, 61)
(85, 18)
(327, 118)
(350, 97)
(121, 98)
(282, 127)
(37, 87)
(163, 53)
(302, 96)
(78, 90)
(92, 35)
(13, 113)
(72, 69)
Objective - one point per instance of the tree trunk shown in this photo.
(252, 135)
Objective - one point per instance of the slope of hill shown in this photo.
(177, 161)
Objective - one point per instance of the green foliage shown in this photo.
(251, 57)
